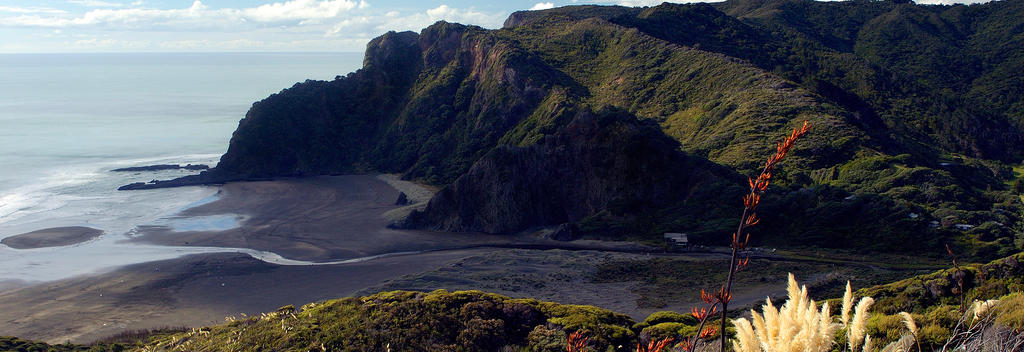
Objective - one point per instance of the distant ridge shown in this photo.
(639, 121)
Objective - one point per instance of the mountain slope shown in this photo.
(915, 115)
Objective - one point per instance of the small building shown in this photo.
(677, 240)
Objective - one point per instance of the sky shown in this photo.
(61, 26)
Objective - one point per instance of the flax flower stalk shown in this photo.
(741, 238)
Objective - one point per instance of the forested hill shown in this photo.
(630, 122)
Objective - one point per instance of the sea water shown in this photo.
(67, 120)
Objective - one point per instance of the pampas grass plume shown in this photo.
(799, 325)
(858, 326)
(981, 307)
(908, 320)
(847, 304)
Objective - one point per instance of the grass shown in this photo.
(663, 281)
(894, 261)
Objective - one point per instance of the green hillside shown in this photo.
(478, 321)
(915, 111)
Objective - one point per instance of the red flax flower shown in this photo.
(686, 345)
(576, 342)
(706, 297)
(741, 238)
(742, 264)
(703, 313)
(654, 346)
(708, 332)
(723, 296)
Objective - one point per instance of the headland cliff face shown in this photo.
(629, 122)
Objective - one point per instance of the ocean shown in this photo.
(66, 120)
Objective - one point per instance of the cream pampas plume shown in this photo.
(981, 307)
(745, 339)
(847, 304)
(858, 326)
(799, 325)
(908, 320)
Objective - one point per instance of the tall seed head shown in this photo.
(847, 305)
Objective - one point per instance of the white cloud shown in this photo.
(95, 3)
(198, 16)
(465, 16)
(639, 3)
(636, 3)
(542, 6)
(373, 25)
(300, 10)
(137, 25)
(43, 10)
(96, 43)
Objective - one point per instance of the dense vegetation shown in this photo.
(916, 112)
(478, 321)
(396, 321)
(934, 300)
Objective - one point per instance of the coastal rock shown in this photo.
(486, 114)
(565, 232)
(161, 167)
(402, 199)
(600, 162)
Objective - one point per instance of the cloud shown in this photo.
(373, 25)
(43, 10)
(95, 3)
(96, 43)
(134, 25)
(198, 16)
(542, 6)
(639, 3)
(300, 10)
(465, 16)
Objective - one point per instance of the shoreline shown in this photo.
(318, 219)
(336, 222)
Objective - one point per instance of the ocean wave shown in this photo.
(89, 187)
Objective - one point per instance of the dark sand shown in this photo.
(52, 237)
(318, 219)
(191, 291)
(314, 219)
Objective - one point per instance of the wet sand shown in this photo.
(52, 237)
(201, 290)
(313, 219)
(195, 290)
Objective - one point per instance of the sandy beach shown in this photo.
(313, 219)
(196, 290)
